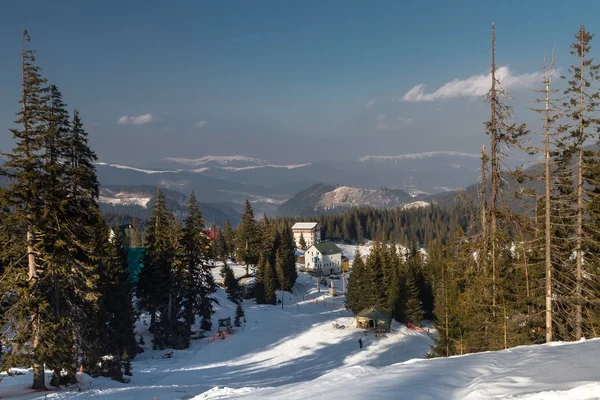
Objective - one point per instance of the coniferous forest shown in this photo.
(493, 275)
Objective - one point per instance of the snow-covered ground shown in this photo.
(295, 352)
(546, 372)
(277, 347)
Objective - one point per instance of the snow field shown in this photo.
(277, 347)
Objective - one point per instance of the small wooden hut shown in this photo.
(374, 319)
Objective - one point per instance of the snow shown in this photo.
(346, 196)
(146, 171)
(555, 371)
(414, 156)
(124, 198)
(265, 166)
(297, 353)
(416, 204)
(277, 347)
(223, 160)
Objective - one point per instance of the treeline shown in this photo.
(262, 245)
(394, 279)
(422, 225)
(65, 294)
(175, 285)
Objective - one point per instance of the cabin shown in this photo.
(326, 257)
(309, 230)
(374, 319)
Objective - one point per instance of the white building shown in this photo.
(309, 230)
(326, 256)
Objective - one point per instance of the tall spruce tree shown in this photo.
(198, 285)
(580, 107)
(156, 282)
(27, 318)
(358, 285)
(117, 306)
(247, 240)
(269, 283)
(229, 237)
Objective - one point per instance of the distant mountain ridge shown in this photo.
(323, 198)
(137, 201)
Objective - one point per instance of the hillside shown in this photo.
(277, 347)
(543, 372)
(323, 198)
(295, 353)
(138, 200)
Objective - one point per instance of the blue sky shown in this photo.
(282, 80)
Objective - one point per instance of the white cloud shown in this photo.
(371, 102)
(135, 120)
(385, 124)
(200, 124)
(476, 85)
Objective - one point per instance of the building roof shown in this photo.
(327, 248)
(375, 313)
(304, 225)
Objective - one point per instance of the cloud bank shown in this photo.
(135, 120)
(200, 124)
(476, 85)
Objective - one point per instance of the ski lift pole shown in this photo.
(318, 266)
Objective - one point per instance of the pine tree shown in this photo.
(198, 283)
(23, 196)
(358, 285)
(580, 106)
(239, 314)
(247, 239)
(413, 310)
(117, 305)
(302, 242)
(269, 283)
(156, 284)
(288, 254)
(232, 287)
(229, 237)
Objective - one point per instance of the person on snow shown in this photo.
(360, 342)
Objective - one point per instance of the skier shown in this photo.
(360, 342)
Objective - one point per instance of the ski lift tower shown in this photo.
(318, 267)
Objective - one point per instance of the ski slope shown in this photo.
(277, 347)
(296, 353)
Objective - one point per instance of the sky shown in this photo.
(287, 81)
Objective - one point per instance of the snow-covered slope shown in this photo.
(218, 160)
(556, 371)
(146, 171)
(416, 204)
(345, 196)
(277, 347)
(124, 198)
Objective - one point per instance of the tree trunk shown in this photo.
(494, 172)
(39, 379)
(548, 254)
(578, 246)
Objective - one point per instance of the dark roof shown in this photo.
(327, 248)
(375, 313)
